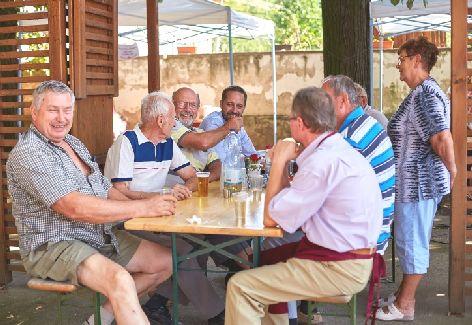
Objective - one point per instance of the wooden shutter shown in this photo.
(95, 48)
(32, 50)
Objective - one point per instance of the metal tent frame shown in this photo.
(397, 20)
(189, 19)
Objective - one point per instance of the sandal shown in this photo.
(382, 302)
(393, 314)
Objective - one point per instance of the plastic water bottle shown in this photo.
(232, 173)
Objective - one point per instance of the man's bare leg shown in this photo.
(150, 265)
(112, 280)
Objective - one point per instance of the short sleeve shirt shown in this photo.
(198, 158)
(424, 113)
(133, 158)
(39, 174)
(216, 120)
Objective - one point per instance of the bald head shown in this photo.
(186, 104)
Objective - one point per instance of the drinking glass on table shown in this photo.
(202, 178)
(256, 183)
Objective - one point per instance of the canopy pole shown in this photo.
(381, 72)
(230, 44)
(274, 89)
(371, 55)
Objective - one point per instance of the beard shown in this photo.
(187, 121)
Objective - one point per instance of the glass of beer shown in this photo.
(202, 178)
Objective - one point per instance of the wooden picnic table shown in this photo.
(218, 217)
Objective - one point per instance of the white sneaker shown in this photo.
(393, 314)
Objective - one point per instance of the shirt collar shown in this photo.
(311, 147)
(353, 115)
(141, 137)
(42, 137)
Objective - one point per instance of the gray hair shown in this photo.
(342, 84)
(360, 91)
(315, 108)
(155, 104)
(50, 86)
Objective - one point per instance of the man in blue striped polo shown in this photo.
(368, 136)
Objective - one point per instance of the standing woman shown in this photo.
(425, 166)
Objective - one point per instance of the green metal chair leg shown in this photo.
(311, 306)
(59, 310)
(353, 309)
(97, 318)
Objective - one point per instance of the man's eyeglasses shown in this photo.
(402, 58)
(188, 104)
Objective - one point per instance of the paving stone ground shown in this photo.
(20, 305)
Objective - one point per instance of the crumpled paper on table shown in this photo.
(194, 220)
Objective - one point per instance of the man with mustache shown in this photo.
(233, 102)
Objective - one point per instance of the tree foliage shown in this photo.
(297, 22)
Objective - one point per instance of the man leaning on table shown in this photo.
(196, 144)
(65, 209)
(138, 164)
(336, 200)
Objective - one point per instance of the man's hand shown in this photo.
(235, 123)
(284, 151)
(161, 205)
(181, 192)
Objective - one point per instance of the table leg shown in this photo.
(175, 286)
(256, 251)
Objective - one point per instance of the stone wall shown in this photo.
(208, 75)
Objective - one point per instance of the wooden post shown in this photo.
(153, 46)
(459, 134)
(57, 39)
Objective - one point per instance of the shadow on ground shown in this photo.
(20, 305)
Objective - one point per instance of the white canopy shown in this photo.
(395, 20)
(203, 15)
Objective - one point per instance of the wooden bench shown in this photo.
(350, 301)
(62, 289)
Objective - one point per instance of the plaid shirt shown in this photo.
(39, 174)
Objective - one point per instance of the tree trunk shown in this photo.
(346, 35)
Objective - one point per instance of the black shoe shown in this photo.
(158, 315)
(218, 319)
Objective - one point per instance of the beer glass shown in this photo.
(202, 178)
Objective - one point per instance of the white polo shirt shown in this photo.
(133, 158)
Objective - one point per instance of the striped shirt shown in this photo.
(133, 158)
(368, 136)
(423, 113)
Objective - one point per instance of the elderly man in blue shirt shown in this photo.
(233, 102)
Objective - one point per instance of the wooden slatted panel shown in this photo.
(31, 51)
(460, 205)
(95, 48)
(468, 232)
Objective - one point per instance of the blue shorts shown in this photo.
(413, 225)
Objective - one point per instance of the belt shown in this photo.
(363, 251)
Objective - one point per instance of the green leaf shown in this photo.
(409, 4)
(395, 2)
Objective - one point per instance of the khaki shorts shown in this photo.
(59, 261)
